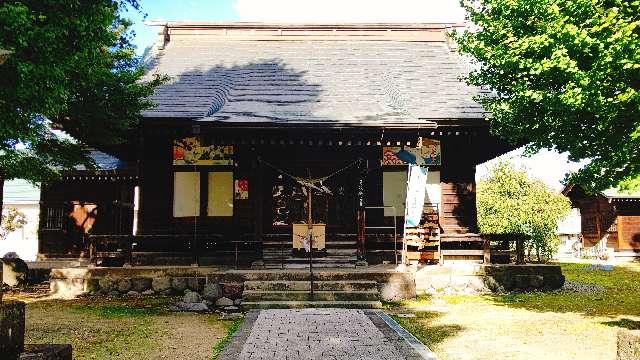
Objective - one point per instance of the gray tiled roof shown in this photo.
(352, 83)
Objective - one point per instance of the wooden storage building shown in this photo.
(608, 219)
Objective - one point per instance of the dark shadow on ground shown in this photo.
(421, 323)
(593, 293)
(422, 327)
(624, 323)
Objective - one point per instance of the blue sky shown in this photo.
(203, 10)
(295, 11)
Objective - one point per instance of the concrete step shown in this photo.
(329, 252)
(322, 275)
(302, 266)
(269, 295)
(340, 285)
(247, 305)
(336, 244)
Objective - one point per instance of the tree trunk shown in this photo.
(1, 192)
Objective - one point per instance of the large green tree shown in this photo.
(71, 67)
(565, 75)
(509, 202)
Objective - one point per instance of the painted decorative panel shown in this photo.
(191, 151)
(429, 153)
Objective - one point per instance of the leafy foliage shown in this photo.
(509, 202)
(12, 220)
(72, 67)
(562, 74)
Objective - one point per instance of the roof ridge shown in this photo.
(305, 25)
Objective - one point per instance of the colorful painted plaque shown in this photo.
(190, 151)
(427, 154)
(241, 189)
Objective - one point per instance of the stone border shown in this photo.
(236, 343)
(408, 345)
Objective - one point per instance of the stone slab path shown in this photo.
(327, 334)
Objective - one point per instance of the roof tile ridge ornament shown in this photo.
(449, 40)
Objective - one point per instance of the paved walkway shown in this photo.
(327, 334)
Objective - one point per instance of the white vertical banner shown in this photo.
(416, 188)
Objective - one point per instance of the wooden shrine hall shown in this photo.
(264, 128)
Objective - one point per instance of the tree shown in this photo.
(71, 67)
(562, 74)
(509, 202)
(12, 220)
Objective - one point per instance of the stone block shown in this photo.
(536, 281)
(553, 281)
(140, 284)
(160, 284)
(211, 292)
(47, 352)
(232, 290)
(67, 288)
(11, 329)
(521, 282)
(196, 283)
(107, 284)
(476, 283)
(123, 285)
(191, 297)
(397, 290)
(14, 272)
(459, 282)
(179, 284)
(223, 301)
(628, 345)
(492, 284)
(91, 286)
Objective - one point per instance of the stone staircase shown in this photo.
(340, 253)
(361, 294)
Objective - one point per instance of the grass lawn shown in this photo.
(552, 325)
(126, 328)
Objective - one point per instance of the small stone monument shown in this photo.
(12, 327)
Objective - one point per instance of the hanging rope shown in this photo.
(313, 183)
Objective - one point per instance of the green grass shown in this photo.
(422, 299)
(231, 326)
(421, 326)
(620, 297)
(111, 328)
(117, 311)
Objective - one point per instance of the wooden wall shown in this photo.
(460, 153)
(601, 217)
(459, 214)
(71, 209)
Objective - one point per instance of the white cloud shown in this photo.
(323, 11)
(546, 165)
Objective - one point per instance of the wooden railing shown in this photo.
(122, 248)
(504, 246)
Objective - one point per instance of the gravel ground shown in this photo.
(582, 288)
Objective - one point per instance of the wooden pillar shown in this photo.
(361, 194)
(259, 200)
